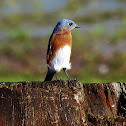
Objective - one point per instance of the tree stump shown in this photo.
(62, 103)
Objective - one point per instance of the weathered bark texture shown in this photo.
(60, 103)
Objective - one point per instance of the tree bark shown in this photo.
(60, 103)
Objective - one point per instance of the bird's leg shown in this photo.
(64, 69)
(56, 76)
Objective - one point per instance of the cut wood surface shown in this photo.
(62, 103)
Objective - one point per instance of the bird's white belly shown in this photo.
(62, 59)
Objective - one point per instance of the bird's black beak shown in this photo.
(77, 26)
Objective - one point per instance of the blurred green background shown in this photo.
(99, 47)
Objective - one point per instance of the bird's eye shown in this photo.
(70, 23)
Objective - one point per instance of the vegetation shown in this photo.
(99, 47)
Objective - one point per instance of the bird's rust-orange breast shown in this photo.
(59, 41)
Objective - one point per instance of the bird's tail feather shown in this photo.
(50, 75)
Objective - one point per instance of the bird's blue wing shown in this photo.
(49, 45)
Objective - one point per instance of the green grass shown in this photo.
(24, 50)
(20, 76)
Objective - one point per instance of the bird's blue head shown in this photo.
(66, 24)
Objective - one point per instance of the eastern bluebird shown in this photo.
(59, 48)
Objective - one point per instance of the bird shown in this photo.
(59, 48)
